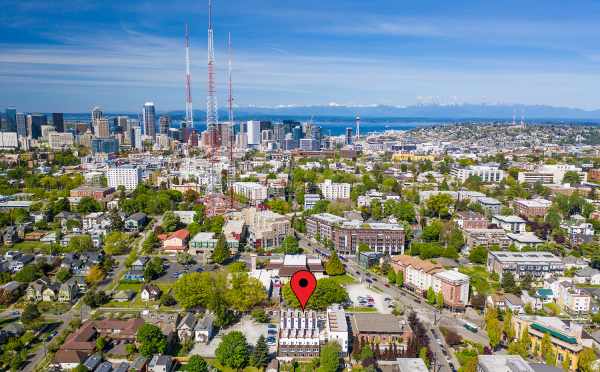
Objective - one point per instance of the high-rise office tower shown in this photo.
(164, 123)
(21, 125)
(97, 113)
(11, 120)
(58, 121)
(297, 133)
(102, 128)
(348, 136)
(149, 120)
(122, 123)
(253, 132)
(35, 122)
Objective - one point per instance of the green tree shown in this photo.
(478, 255)
(221, 252)
(587, 357)
(330, 357)
(525, 340)
(100, 344)
(363, 247)
(151, 340)
(327, 292)
(88, 205)
(150, 244)
(438, 205)
(30, 314)
(507, 327)
(423, 354)
(376, 210)
(233, 350)
(196, 364)
(430, 296)
(260, 356)
(571, 177)
(431, 232)
(508, 283)
(80, 243)
(439, 300)
(493, 327)
(63, 275)
(334, 265)
(400, 278)
(391, 276)
(170, 222)
(116, 243)
(116, 222)
(28, 274)
(290, 245)
(154, 269)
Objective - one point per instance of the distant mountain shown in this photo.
(455, 111)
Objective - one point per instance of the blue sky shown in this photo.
(70, 55)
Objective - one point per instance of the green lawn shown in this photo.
(343, 279)
(30, 246)
(480, 279)
(361, 309)
(216, 364)
(129, 287)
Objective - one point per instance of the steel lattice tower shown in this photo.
(189, 113)
(211, 98)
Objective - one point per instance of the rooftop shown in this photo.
(542, 257)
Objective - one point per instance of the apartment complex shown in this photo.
(266, 228)
(537, 264)
(488, 174)
(253, 191)
(488, 238)
(335, 191)
(346, 235)
(550, 174)
(531, 208)
(471, 220)
(564, 337)
(420, 275)
(127, 176)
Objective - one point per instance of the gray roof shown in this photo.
(381, 323)
(587, 272)
(93, 361)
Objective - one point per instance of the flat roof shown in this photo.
(502, 363)
(509, 219)
(507, 256)
(527, 238)
(373, 322)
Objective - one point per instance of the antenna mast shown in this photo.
(189, 114)
(231, 123)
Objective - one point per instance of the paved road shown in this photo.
(67, 317)
(429, 315)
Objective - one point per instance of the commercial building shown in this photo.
(285, 266)
(310, 200)
(253, 191)
(107, 145)
(537, 264)
(149, 115)
(454, 287)
(253, 133)
(96, 192)
(127, 176)
(10, 124)
(164, 123)
(58, 121)
(101, 128)
(491, 206)
(531, 208)
(9, 140)
(488, 174)
(502, 363)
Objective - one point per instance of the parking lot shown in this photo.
(177, 268)
(247, 326)
(361, 289)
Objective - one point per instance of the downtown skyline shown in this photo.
(69, 56)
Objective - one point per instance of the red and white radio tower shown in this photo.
(211, 99)
(189, 114)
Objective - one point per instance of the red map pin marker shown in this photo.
(303, 284)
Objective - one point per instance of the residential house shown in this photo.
(136, 222)
(123, 295)
(50, 293)
(68, 291)
(161, 363)
(67, 360)
(136, 271)
(19, 263)
(167, 322)
(199, 330)
(470, 220)
(150, 292)
(35, 290)
(513, 303)
(578, 230)
(175, 242)
(203, 245)
(571, 298)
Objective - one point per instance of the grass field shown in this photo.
(216, 364)
(343, 279)
(361, 309)
(29, 246)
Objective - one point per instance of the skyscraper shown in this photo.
(21, 125)
(11, 120)
(102, 128)
(149, 120)
(58, 121)
(97, 113)
(348, 136)
(164, 123)
(35, 122)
